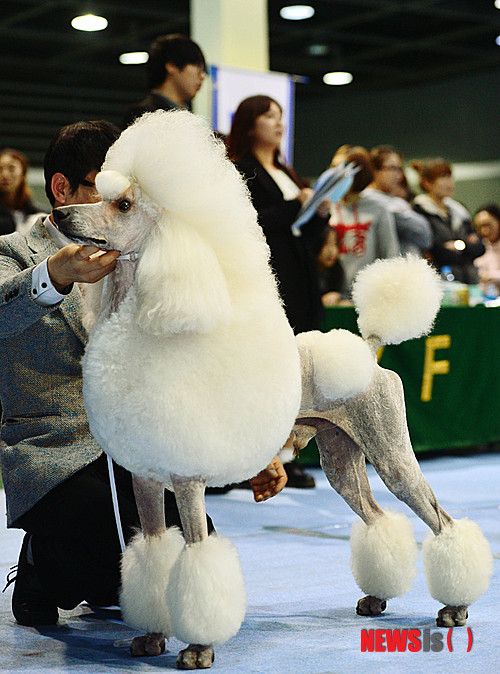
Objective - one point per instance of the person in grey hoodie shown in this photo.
(413, 229)
(365, 228)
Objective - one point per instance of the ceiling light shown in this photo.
(497, 4)
(89, 22)
(296, 12)
(131, 58)
(497, 40)
(337, 78)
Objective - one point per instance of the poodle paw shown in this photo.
(370, 606)
(195, 656)
(149, 644)
(452, 616)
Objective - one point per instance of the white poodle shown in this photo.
(192, 377)
(356, 410)
(191, 374)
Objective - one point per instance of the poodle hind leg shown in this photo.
(458, 566)
(206, 591)
(457, 558)
(442, 551)
(383, 550)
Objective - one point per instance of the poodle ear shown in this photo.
(180, 284)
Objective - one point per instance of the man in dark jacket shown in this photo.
(176, 70)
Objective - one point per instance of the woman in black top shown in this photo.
(277, 195)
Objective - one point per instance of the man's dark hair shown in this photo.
(77, 149)
(175, 48)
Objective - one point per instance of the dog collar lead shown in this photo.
(133, 257)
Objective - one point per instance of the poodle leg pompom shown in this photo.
(383, 556)
(206, 592)
(146, 567)
(458, 563)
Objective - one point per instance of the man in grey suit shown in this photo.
(55, 475)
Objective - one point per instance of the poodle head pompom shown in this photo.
(397, 299)
(172, 160)
(111, 184)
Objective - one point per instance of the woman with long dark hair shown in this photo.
(277, 195)
(487, 224)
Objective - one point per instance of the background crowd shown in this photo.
(379, 217)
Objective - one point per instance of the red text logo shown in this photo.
(412, 640)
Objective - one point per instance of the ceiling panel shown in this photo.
(52, 75)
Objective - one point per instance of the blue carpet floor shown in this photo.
(300, 617)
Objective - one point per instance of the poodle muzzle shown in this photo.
(63, 222)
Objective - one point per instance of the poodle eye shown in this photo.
(124, 206)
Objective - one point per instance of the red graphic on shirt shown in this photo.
(352, 238)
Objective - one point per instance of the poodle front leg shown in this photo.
(190, 498)
(206, 591)
(146, 565)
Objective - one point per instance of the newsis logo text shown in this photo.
(412, 640)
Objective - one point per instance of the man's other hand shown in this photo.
(269, 481)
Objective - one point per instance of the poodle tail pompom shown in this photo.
(343, 363)
(458, 563)
(397, 299)
(383, 555)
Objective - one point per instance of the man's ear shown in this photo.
(61, 189)
(170, 68)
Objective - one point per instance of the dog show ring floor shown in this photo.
(301, 596)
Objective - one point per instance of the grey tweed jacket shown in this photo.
(44, 432)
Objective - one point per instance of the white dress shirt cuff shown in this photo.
(42, 288)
